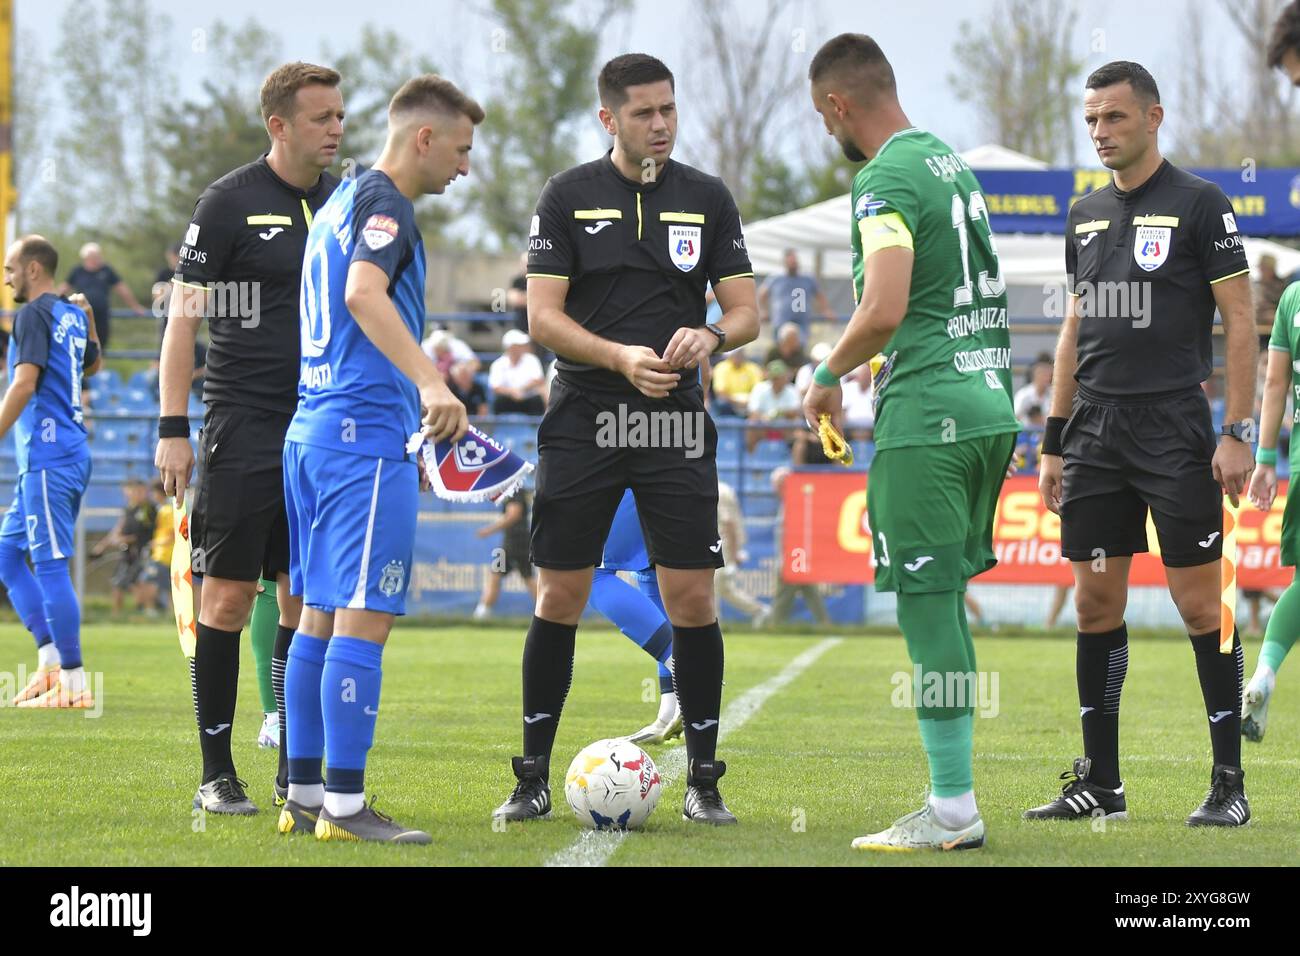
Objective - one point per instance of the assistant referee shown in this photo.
(241, 265)
(620, 251)
(1149, 258)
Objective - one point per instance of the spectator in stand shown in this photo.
(156, 567)
(97, 281)
(787, 591)
(446, 350)
(517, 381)
(787, 296)
(773, 401)
(162, 287)
(816, 355)
(788, 347)
(133, 531)
(734, 379)
(1025, 460)
(468, 389)
(1269, 287)
(859, 409)
(517, 296)
(1037, 389)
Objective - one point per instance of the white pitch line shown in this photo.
(594, 848)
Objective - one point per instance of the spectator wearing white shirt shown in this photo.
(773, 400)
(446, 351)
(859, 416)
(818, 354)
(1038, 390)
(517, 381)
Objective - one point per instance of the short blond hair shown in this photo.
(433, 92)
(281, 87)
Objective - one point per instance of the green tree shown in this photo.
(547, 92)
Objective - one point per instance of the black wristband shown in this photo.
(1052, 436)
(173, 426)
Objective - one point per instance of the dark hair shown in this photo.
(281, 87)
(1126, 71)
(39, 249)
(432, 92)
(856, 59)
(1286, 35)
(630, 69)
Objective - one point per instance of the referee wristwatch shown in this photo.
(722, 337)
(1243, 431)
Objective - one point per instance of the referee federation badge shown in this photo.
(1151, 246)
(684, 246)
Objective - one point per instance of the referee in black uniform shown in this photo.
(241, 265)
(1149, 258)
(620, 251)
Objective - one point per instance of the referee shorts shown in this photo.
(1125, 457)
(238, 526)
(587, 458)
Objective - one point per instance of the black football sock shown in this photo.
(548, 673)
(1101, 662)
(216, 685)
(279, 658)
(697, 675)
(1221, 676)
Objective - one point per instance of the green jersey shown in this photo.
(946, 372)
(1286, 338)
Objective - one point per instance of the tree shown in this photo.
(547, 93)
(1029, 97)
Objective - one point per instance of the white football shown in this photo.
(612, 785)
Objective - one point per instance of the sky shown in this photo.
(919, 37)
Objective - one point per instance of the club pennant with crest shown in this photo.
(476, 468)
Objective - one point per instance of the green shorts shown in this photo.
(931, 512)
(1290, 528)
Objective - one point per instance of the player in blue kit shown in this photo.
(351, 484)
(638, 612)
(52, 347)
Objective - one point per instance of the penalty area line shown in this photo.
(594, 848)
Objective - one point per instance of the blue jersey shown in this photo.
(350, 397)
(50, 333)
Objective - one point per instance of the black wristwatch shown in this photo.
(722, 336)
(1243, 431)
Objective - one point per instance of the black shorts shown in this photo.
(516, 559)
(589, 450)
(238, 526)
(1121, 459)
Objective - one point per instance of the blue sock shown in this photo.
(638, 616)
(62, 612)
(304, 727)
(648, 583)
(349, 693)
(24, 592)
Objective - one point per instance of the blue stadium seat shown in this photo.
(145, 379)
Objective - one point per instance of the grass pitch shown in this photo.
(823, 757)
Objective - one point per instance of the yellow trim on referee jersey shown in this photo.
(306, 211)
(1155, 220)
(1226, 278)
(738, 275)
(886, 232)
(597, 214)
(189, 285)
(692, 217)
(1097, 225)
(544, 275)
(270, 220)
(638, 217)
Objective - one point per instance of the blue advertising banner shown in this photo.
(1266, 201)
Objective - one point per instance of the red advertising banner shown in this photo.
(826, 538)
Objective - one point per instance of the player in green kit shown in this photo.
(930, 298)
(1282, 378)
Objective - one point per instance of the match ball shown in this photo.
(612, 785)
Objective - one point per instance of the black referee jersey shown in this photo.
(637, 255)
(1143, 264)
(246, 240)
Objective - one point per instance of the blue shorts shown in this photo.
(625, 546)
(44, 512)
(351, 528)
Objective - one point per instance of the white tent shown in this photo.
(820, 234)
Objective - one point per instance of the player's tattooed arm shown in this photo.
(552, 327)
(886, 287)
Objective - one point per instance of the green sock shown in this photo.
(266, 618)
(939, 642)
(1283, 628)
